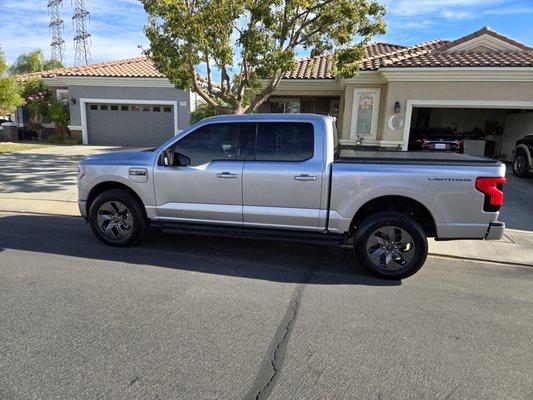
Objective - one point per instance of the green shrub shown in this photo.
(58, 138)
(201, 112)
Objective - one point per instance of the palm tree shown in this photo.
(33, 62)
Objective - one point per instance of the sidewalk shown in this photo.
(516, 247)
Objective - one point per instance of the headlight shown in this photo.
(81, 170)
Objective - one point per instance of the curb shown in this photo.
(484, 260)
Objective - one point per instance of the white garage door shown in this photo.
(129, 124)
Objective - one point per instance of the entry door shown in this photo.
(283, 181)
(209, 189)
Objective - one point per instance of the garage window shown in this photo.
(146, 108)
(135, 108)
(124, 108)
(93, 107)
(167, 109)
(104, 107)
(114, 108)
(156, 109)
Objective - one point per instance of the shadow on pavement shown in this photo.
(236, 257)
(33, 172)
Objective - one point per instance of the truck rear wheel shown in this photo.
(117, 218)
(391, 245)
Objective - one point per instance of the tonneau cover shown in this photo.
(411, 157)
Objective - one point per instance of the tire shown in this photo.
(520, 165)
(117, 218)
(399, 235)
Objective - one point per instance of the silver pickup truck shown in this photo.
(284, 176)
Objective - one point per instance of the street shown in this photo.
(224, 318)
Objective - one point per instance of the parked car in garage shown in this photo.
(523, 157)
(438, 139)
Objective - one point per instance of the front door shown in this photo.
(209, 189)
(282, 183)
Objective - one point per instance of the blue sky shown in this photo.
(117, 25)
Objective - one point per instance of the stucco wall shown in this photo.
(490, 91)
(129, 93)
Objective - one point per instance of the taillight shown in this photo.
(492, 189)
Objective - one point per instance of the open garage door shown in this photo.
(137, 125)
(490, 132)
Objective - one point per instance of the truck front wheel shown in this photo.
(117, 218)
(390, 245)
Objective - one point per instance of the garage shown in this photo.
(137, 125)
(482, 131)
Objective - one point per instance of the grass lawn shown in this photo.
(9, 147)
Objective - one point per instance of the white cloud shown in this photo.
(509, 11)
(456, 15)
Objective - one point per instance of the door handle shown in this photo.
(226, 175)
(304, 177)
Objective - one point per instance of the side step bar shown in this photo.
(321, 238)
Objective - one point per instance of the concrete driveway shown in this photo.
(43, 180)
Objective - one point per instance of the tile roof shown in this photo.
(463, 59)
(138, 67)
(486, 31)
(429, 54)
(321, 67)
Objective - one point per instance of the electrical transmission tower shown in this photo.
(82, 38)
(57, 44)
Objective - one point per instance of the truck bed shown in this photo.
(411, 157)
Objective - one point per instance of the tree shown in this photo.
(33, 62)
(250, 44)
(10, 97)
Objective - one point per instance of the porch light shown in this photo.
(397, 107)
(72, 100)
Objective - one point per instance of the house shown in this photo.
(126, 102)
(478, 88)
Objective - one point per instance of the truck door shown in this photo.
(282, 178)
(208, 189)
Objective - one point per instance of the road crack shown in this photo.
(275, 355)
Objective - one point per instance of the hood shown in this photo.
(130, 156)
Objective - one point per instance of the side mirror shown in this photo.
(168, 157)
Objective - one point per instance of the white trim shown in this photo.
(486, 40)
(456, 104)
(83, 111)
(374, 77)
(375, 113)
(308, 87)
(108, 81)
(462, 74)
(75, 127)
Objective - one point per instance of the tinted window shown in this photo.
(282, 141)
(210, 142)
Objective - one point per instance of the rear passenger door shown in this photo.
(282, 177)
